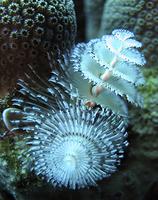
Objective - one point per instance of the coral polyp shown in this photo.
(111, 64)
(28, 30)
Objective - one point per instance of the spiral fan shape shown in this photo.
(76, 146)
(112, 62)
(69, 144)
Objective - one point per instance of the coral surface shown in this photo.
(140, 17)
(28, 30)
(147, 118)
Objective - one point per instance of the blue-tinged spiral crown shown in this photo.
(76, 146)
(69, 144)
(110, 65)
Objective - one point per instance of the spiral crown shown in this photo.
(112, 63)
(69, 144)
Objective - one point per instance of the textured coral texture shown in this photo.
(138, 16)
(28, 30)
(148, 116)
(137, 177)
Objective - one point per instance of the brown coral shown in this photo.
(28, 30)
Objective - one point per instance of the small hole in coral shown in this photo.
(21, 64)
(60, 15)
(10, 58)
(13, 46)
(59, 28)
(5, 32)
(55, 2)
(22, 55)
(33, 53)
(66, 20)
(24, 33)
(59, 36)
(46, 45)
(53, 21)
(55, 47)
(43, 4)
(4, 47)
(3, 62)
(35, 42)
(25, 45)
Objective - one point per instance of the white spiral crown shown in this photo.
(111, 63)
(68, 144)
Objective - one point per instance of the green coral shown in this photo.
(145, 121)
(28, 30)
(141, 17)
(12, 174)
